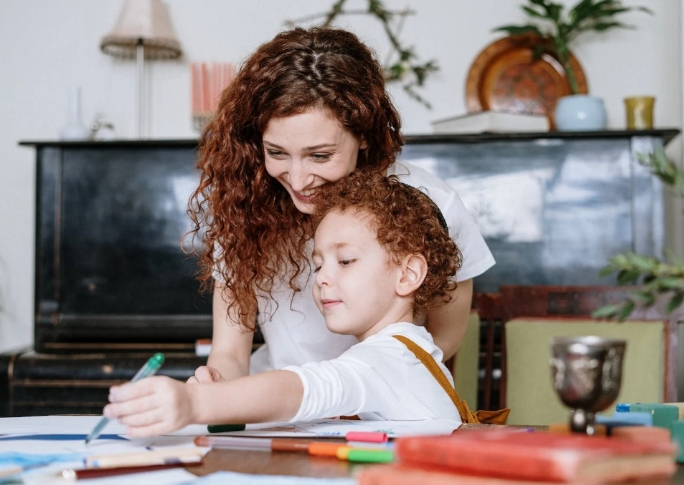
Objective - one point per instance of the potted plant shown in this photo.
(557, 30)
(653, 279)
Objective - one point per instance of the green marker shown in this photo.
(149, 369)
(224, 428)
(370, 456)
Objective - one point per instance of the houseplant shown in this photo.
(557, 29)
(652, 278)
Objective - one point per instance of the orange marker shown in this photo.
(325, 449)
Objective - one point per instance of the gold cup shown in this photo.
(639, 110)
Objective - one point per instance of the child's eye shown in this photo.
(346, 262)
(317, 269)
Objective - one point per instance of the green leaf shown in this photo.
(519, 29)
(555, 11)
(641, 263)
(645, 297)
(603, 26)
(670, 283)
(675, 302)
(627, 277)
(532, 12)
(648, 278)
(608, 311)
(626, 310)
(620, 259)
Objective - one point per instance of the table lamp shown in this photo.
(143, 31)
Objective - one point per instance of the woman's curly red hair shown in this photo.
(252, 235)
(406, 221)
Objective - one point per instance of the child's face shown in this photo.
(355, 280)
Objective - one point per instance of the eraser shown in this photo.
(634, 418)
(663, 414)
(677, 428)
(680, 406)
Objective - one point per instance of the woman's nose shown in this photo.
(299, 175)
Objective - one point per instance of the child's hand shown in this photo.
(151, 406)
(205, 375)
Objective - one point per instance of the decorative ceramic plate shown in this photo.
(505, 77)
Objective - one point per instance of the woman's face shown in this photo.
(308, 150)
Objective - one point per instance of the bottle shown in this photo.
(74, 129)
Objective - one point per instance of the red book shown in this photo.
(540, 456)
(403, 475)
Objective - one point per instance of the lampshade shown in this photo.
(146, 22)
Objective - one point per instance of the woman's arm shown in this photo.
(158, 405)
(448, 323)
(231, 345)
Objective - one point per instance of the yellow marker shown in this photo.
(343, 452)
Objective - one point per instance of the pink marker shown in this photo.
(367, 436)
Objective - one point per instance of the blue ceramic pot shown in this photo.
(580, 112)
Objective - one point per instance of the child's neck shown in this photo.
(401, 315)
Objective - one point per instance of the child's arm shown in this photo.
(158, 405)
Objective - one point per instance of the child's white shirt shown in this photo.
(377, 379)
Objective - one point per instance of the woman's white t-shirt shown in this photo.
(294, 329)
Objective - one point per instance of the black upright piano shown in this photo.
(113, 284)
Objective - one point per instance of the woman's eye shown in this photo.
(317, 269)
(275, 154)
(346, 262)
(321, 157)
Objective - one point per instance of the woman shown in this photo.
(306, 109)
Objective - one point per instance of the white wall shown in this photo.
(48, 45)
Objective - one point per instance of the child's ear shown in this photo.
(413, 272)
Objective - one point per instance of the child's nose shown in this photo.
(321, 277)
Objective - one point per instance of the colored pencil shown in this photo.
(157, 457)
(252, 444)
(86, 473)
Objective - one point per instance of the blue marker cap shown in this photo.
(622, 408)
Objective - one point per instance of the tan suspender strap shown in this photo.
(433, 367)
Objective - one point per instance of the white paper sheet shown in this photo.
(333, 428)
(32, 437)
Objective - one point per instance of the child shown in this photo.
(382, 255)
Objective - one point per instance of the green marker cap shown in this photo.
(224, 428)
(156, 361)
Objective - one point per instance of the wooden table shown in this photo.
(302, 464)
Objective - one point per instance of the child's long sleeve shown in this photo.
(376, 379)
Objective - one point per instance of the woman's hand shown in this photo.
(151, 406)
(205, 375)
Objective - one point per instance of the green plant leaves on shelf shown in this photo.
(561, 28)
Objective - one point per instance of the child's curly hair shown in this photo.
(406, 221)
